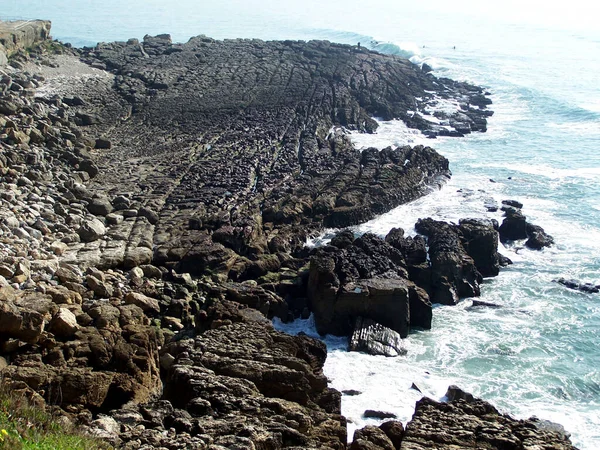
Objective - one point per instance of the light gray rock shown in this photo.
(148, 304)
(64, 323)
(91, 230)
(375, 339)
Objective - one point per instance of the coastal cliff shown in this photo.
(156, 198)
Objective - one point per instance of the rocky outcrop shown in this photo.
(152, 221)
(20, 35)
(295, 172)
(454, 274)
(240, 384)
(515, 227)
(368, 279)
(467, 422)
(464, 422)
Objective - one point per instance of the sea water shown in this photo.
(538, 353)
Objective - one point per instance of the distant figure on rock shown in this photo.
(358, 45)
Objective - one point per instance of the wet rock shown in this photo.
(479, 303)
(576, 285)
(366, 279)
(514, 226)
(480, 240)
(454, 274)
(375, 339)
(468, 422)
(373, 414)
(537, 237)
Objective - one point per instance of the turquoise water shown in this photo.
(537, 355)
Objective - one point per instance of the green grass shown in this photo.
(25, 426)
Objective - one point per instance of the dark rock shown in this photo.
(394, 430)
(366, 279)
(343, 239)
(372, 414)
(371, 437)
(415, 387)
(453, 272)
(480, 241)
(514, 226)
(479, 303)
(472, 423)
(351, 392)
(588, 288)
(537, 237)
(102, 143)
(100, 206)
(512, 203)
(503, 260)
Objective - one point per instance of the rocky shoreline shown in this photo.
(155, 201)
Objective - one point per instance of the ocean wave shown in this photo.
(404, 49)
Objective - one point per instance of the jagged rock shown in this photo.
(467, 422)
(480, 240)
(453, 272)
(100, 287)
(514, 226)
(588, 288)
(394, 430)
(370, 413)
(537, 237)
(366, 279)
(371, 437)
(375, 339)
(26, 325)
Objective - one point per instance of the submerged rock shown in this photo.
(576, 285)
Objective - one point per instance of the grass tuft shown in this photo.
(26, 426)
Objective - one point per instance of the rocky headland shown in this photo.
(155, 199)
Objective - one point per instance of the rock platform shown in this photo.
(154, 203)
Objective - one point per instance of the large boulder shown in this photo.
(537, 237)
(480, 240)
(454, 274)
(365, 279)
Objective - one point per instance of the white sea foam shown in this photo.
(392, 133)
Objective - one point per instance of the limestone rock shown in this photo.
(92, 230)
(64, 323)
(148, 304)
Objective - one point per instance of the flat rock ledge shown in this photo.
(154, 202)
